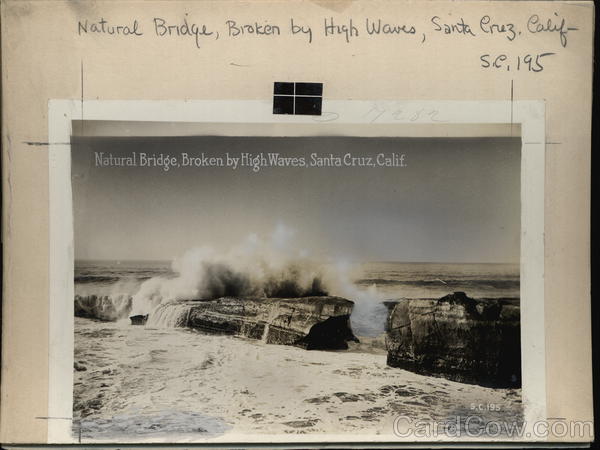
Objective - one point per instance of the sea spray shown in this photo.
(104, 307)
(169, 315)
(272, 315)
(369, 314)
(104, 299)
(257, 267)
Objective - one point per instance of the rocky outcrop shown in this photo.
(458, 338)
(307, 322)
(139, 319)
(103, 307)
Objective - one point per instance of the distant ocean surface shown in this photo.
(393, 280)
(433, 280)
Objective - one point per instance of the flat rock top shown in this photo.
(324, 300)
(452, 298)
(489, 309)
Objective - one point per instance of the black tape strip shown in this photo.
(297, 98)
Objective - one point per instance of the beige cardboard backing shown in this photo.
(44, 58)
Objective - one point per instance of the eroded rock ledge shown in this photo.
(308, 322)
(458, 338)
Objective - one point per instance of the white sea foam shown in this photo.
(168, 315)
(173, 384)
(260, 267)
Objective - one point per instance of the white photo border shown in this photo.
(529, 116)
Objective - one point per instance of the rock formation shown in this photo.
(458, 338)
(307, 322)
(139, 319)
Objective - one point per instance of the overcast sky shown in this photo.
(458, 200)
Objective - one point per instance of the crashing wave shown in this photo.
(103, 307)
(169, 315)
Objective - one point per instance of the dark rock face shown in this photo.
(458, 338)
(140, 319)
(309, 322)
(333, 334)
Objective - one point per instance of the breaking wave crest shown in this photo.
(255, 268)
(103, 307)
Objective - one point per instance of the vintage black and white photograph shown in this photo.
(314, 286)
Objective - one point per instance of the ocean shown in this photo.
(368, 285)
(162, 384)
(394, 280)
